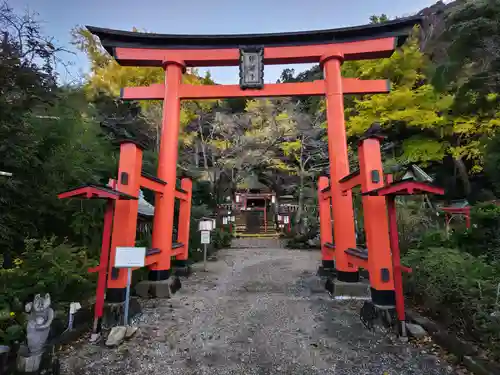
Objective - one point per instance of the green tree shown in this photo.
(49, 142)
(107, 77)
(471, 66)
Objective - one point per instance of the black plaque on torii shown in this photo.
(251, 67)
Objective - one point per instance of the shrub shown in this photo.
(435, 238)
(458, 289)
(306, 235)
(45, 266)
(414, 221)
(483, 238)
(221, 239)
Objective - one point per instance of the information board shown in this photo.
(130, 257)
(205, 237)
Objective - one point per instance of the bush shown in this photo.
(221, 239)
(435, 238)
(46, 266)
(483, 238)
(458, 289)
(414, 222)
(302, 242)
(306, 234)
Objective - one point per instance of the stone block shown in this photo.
(116, 336)
(143, 289)
(131, 331)
(29, 363)
(326, 272)
(454, 345)
(416, 330)
(480, 366)
(160, 289)
(427, 324)
(185, 271)
(346, 290)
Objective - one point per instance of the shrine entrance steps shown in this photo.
(258, 243)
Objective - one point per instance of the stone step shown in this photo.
(344, 290)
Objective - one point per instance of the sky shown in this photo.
(205, 17)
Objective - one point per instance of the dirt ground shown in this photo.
(256, 311)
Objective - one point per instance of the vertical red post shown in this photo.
(325, 224)
(103, 263)
(167, 171)
(467, 218)
(396, 258)
(185, 218)
(343, 213)
(125, 216)
(376, 224)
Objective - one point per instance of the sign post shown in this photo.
(129, 257)
(205, 226)
(205, 240)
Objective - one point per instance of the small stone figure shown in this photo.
(29, 357)
(40, 319)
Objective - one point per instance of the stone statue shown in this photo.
(39, 321)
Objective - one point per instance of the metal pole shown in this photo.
(127, 297)
(204, 256)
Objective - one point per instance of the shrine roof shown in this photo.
(111, 39)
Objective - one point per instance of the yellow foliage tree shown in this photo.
(107, 76)
(414, 104)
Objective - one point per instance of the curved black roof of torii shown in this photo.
(399, 28)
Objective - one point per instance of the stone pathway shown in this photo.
(256, 311)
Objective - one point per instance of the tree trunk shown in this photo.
(463, 175)
(205, 156)
(298, 216)
(196, 155)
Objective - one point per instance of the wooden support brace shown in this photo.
(181, 195)
(358, 262)
(351, 182)
(149, 184)
(325, 193)
(178, 251)
(151, 259)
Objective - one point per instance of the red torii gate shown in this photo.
(328, 47)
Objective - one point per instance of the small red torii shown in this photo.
(381, 257)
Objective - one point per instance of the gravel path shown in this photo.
(256, 311)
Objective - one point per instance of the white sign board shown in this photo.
(205, 225)
(205, 237)
(286, 219)
(224, 220)
(130, 257)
